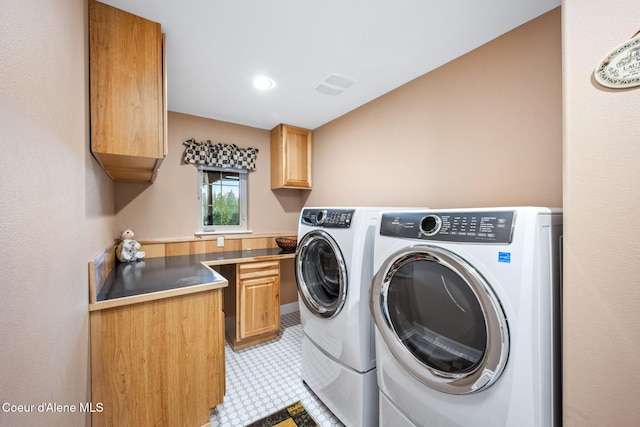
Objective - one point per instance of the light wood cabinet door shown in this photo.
(252, 302)
(128, 94)
(290, 157)
(259, 305)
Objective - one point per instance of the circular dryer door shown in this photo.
(440, 319)
(321, 274)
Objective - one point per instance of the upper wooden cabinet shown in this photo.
(128, 93)
(290, 157)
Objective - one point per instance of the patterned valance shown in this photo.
(220, 155)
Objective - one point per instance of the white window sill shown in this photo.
(210, 233)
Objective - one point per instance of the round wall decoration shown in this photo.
(620, 69)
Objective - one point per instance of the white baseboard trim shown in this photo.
(289, 308)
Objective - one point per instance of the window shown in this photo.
(223, 199)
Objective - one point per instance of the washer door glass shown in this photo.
(440, 319)
(321, 274)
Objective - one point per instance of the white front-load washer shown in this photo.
(466, 305)
(334, 259)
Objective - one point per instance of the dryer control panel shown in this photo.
(327, 218)
(462, 227)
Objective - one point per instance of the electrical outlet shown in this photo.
(220, 241)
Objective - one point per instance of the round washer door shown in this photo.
(321, 274)
(440, 319)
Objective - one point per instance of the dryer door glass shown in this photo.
(437, 316)
(440, 319)
(321, 274)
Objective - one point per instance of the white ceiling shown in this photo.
(216, 47)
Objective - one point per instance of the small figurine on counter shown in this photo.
(128, 249)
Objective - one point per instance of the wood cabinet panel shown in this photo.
(128, 95)
(290, 157)
(259, 302)
(200, 247)
(159, 362)
(208, 244)
(253, 301)
(258, 269)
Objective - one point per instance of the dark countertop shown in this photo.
(151, 275)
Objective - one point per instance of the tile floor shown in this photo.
(265, 378)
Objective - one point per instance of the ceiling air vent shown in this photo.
(334, 84)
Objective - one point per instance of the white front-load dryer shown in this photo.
(466, 305)
(333, 264)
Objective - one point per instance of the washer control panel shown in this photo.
(463, 227)
(327, 218)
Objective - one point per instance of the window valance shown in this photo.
(220, 155)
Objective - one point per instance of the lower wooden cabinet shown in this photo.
(252, 302)
(158, 363)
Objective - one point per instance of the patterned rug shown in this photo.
(292, 416)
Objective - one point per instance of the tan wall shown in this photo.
(483, 130)
(602, 207)
(169, 208)
(56, 210)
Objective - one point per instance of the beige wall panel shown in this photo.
(56, 209)
(483, 130)
(602, 207)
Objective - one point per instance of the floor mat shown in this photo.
(294, 415)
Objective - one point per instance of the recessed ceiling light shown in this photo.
(263, 83)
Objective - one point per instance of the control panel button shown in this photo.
(321, 216)
(430, 225)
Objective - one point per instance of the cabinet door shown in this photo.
(297, 155)
(291, 157)
(259, 305)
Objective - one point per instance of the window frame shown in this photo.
(243, 197)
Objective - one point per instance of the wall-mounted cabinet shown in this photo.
(290, 157)
(128, 93)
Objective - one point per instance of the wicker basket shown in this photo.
(286, 244)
